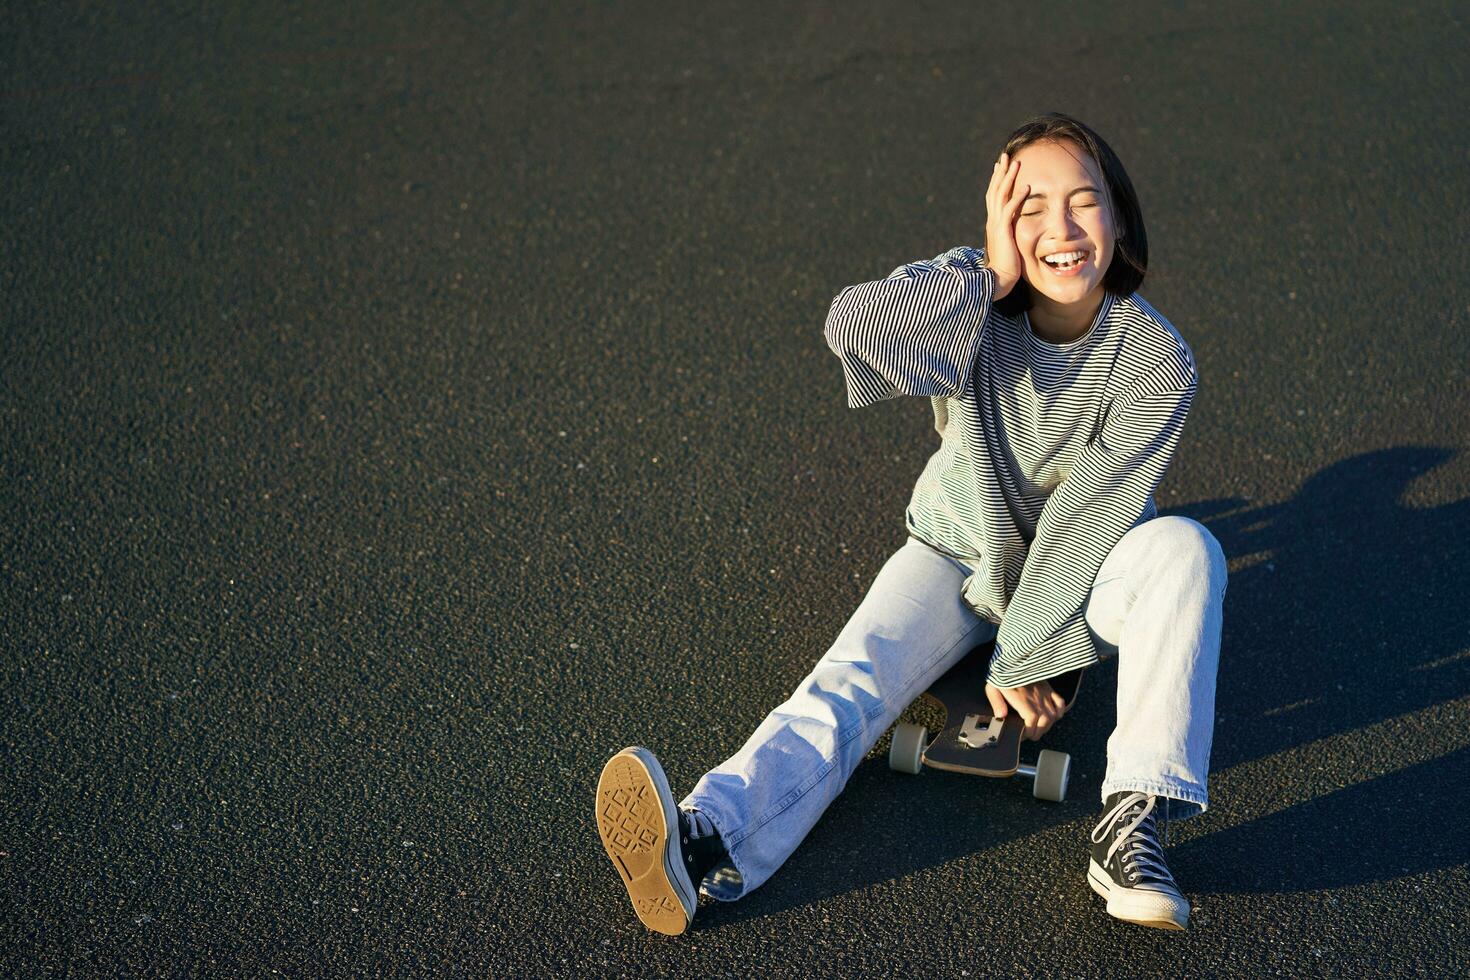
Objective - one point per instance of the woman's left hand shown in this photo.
(1038, 705)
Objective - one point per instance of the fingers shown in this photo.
(1037, 705)
(1048, 712)
(1047, 706)
(1039, 723)
(1008, 184)
(1002, 183)
(1013, 196)
(1033, 718)
(998, 707)
(1018, 199)
(1033, 729)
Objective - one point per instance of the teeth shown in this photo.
(1065, 258)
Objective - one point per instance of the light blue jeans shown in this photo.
(1156, 603)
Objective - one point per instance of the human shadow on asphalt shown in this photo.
(1406, 822)
(1347, 611)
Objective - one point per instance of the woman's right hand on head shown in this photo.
(1003, 201)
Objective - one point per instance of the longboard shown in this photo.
(972, 740)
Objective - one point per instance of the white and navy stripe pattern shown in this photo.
(1049, 453)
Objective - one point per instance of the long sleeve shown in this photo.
(914, 332)
(1043, 632)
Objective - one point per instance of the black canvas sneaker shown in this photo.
(1127, 866)
(657, 849)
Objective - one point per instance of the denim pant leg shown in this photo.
(1158, 600)
(909, 629)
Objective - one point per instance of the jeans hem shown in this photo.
(1185, 799)
(726, 880)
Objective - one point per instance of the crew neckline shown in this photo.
(1046, 345)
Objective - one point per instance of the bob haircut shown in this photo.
(1130, 252)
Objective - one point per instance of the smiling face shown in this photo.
(1066, 212)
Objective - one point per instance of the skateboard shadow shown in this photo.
(1344, 608)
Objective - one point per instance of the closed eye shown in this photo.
(1032, 214)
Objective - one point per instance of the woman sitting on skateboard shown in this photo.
(1060, 395)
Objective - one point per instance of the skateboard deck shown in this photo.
(971, 740)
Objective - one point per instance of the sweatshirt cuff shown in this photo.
(1071, 647)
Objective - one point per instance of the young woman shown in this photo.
(1060, 396)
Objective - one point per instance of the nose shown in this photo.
(1061, 228)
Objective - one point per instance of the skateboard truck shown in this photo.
(979, 738)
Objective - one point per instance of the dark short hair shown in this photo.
(1130, 252)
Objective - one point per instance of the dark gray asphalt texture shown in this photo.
(402, 409)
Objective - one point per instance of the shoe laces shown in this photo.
(1137, 840)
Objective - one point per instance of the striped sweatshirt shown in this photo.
(1049, 453)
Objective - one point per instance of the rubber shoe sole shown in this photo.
(1139, 906)
(639, 827)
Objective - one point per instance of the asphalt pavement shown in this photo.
(403, 408)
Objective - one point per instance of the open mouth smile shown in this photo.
(1066, 265)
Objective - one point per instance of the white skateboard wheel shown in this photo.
(906, 754)
(1052, 772)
